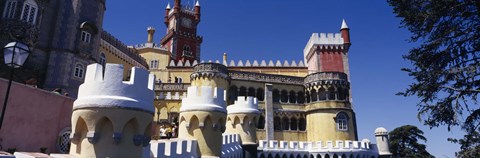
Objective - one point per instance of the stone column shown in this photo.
(269, 131)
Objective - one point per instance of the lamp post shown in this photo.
(15, 54)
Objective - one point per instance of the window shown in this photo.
(29, 11)
(10, 9)
(103, 59)
(153, 64)
(186, 51)
(86, 36)
(342, 121)
(78, 71)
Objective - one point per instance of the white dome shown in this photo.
(381, 131)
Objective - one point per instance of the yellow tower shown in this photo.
(329, 112)
(210, 74)
(202, 117)
(111, 117)
(242, 119)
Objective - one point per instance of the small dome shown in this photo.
(381, 131)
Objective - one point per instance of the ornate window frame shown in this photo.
(341, 121)
(10, 9)
(29, 11)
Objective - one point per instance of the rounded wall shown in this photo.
(245, 125)
(206, 128)
(323, 122)
(110, 132)
(210, 81)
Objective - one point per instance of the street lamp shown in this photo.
(15, 54)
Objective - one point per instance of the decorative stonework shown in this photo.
(209, 70)
(322, 78)
(17, 28)
(258, 77)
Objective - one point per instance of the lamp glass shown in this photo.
(19, 51)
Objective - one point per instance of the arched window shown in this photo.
(232, 93)
(29, 11)
(284, 96)
(322, 95)
(251, 91)
(293, 124)
(10, 9)
(260, 94)
(292, 97)
(243, 91)
(285, 123)
(341, 93)
(86, 36)
(277, 125)
(342, 121)
(78, 71)
(331, 93)
(302, 124)
(276, 96)
(307, 97)
(103, 59)
(261, 122)
(300, 97)
(186, 51)
(313, 95)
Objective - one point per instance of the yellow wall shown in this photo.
(321, 124)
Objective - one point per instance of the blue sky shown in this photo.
(279, 30)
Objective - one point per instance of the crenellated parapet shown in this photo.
(322, 149)
(174, 148)
(327, 86)
(107, 90)
(263, 63)
(324, 41)
(204, 98)
(111, 117)
(244, 105)
(202, 117)
(231, 146)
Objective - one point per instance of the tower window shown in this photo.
(29, 11)
(103, 59)
(86, 36)
(153, 64)
(342, 121)
(186, 51)
(10, 9)
(78, 71)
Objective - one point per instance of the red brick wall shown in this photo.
(331, 61)
(33, 118)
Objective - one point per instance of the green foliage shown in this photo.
(43, 150)
(404, 142)
(446, 64)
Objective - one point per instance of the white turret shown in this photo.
(168, 6)
(197, 4)
(344, 25)
(381, 135)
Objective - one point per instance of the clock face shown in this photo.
(186, 22)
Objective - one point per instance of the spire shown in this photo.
(168, 6)
(197, 4)
(344, 25)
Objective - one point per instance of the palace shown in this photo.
(223, 108)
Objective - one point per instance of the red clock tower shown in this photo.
(181, 37)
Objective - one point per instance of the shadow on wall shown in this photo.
(34, 118)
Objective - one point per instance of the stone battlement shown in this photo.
(326, 40)
(231, 146)
(108, 90)
(204, 98)
(241, 63)
(174, 148)
(244, 105)
(329, 146)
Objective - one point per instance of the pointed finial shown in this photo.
(168, 6)
(344, 25)
(197, 4)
